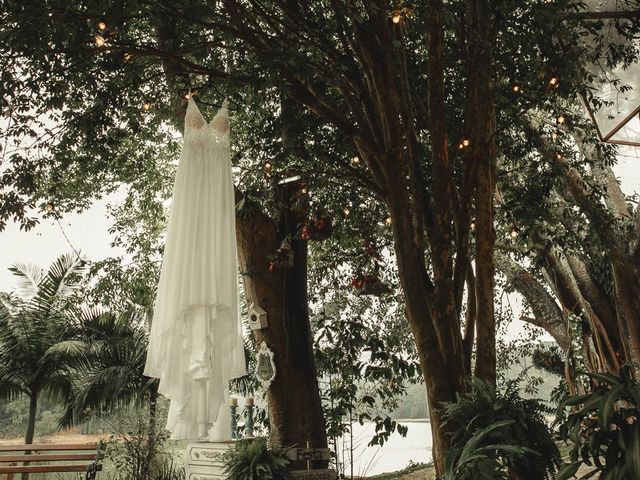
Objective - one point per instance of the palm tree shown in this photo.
(39, 341)
(110, 373)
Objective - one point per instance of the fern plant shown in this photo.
(255, 460)
(479, 458)
(536, 457)
(605, 430)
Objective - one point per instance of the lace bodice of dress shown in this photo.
(197, 129)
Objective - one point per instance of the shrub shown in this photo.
(255, 460)
(536, 456)
(605, 431)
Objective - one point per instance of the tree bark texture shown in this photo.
(295, 409)
(482, 129)
(31, 421)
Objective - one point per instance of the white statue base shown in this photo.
(203, 460)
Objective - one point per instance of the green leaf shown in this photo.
(568, 471)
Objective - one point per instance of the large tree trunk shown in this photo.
(483, 152)
(627, 297)
(431, 312)
(294, 405)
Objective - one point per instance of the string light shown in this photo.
(560, 120)
(50, 207)
(515, 87)
(100, 41)
(399, 14)
(554, 81)
(466, 142)
(128, 56)
(515, 233)
(388, 220)
(559, 155)
(346, 211)
(147, 106)
(268, 167)
(102, 25)
(473, 226)
(304, 190)
(355, 160)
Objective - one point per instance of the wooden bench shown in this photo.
(61, 458)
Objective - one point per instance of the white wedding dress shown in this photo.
(195, 343)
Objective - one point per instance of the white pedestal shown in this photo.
(203, 460)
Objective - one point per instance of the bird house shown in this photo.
(257, 318)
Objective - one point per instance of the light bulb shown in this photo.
(146, 106)
(102, 25)
(388, 220)
(355, 160)
(50, 207)
(347, 211)
(515, 87)
(128, 56)
(267, 167)
(514, 233)
(554, 81)
(560, 119)
(466, 142)
(100, 41)
(396, 18)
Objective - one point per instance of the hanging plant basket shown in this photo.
(370, 285)
(282, 258)
(319, 228)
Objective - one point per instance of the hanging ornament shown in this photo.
(319, 228)
(282, 258)
(370, 285)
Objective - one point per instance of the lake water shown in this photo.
(395, 454)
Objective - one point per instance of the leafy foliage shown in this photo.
(479, 458)
(137, 448)
(39, 341)
(111, 372)
(475, 415)
(255, 460)
(604, 430)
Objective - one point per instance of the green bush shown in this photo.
(479, 458)
(605, 431)
(255, 460)
(527, 448)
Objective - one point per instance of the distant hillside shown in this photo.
(414, 404)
